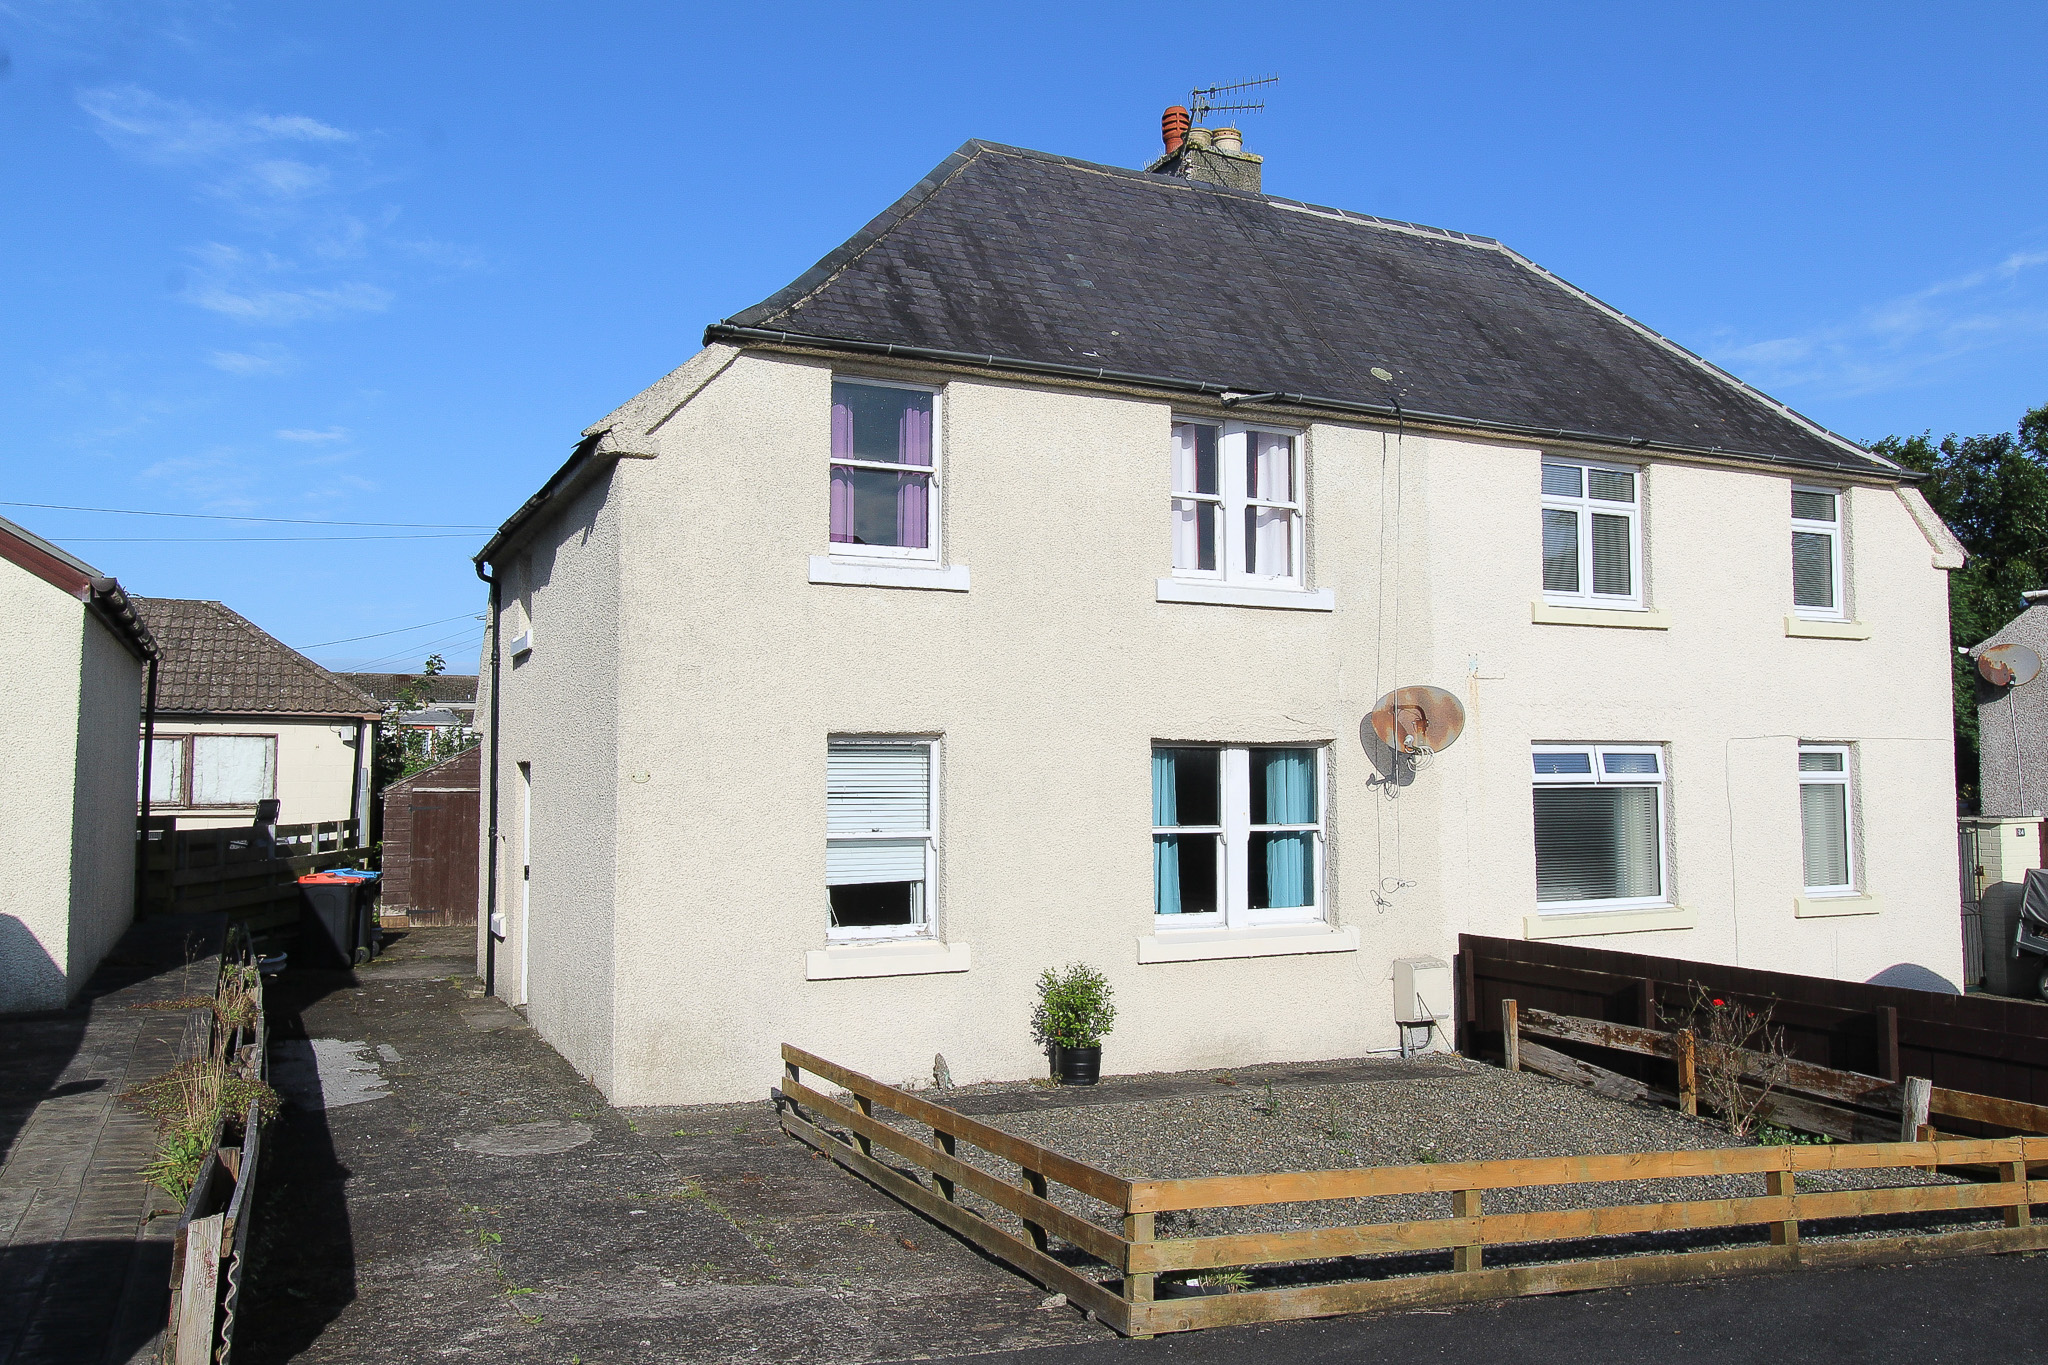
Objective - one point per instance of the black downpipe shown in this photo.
(491, 779)
(142, 823)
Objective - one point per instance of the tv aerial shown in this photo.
(1416, 722)
(2012, 665)
(1228, 99)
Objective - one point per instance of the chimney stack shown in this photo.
(1214, 155)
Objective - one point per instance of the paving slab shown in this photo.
(443, 1184)
(85, 1241)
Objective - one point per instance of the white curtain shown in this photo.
(166, 772)
(233, 770)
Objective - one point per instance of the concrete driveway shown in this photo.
(445, 1186)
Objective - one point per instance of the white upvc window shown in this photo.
(885, 471)
(1236, 504)
(1237, 836)
(225, 771)
(1592, 534)
(1817, 554)
(1826, 820)
(881, 799)
(1600, 820)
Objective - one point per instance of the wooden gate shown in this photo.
(430, 844)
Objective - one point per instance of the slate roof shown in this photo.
(438, 687)
(1019, 256)
(216, 660)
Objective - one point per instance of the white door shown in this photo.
(525, 878)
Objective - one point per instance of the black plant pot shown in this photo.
(1078, 1065)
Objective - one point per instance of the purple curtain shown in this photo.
(913, 493)
(842, 479)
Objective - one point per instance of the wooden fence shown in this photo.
(249, 872)
(1981, 1046)
(210, 1251)
(1130, 1299)
(1845, 1106)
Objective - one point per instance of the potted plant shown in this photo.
(1073, 1014)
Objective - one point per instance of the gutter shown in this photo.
(491, 779)
(1232, 395)
(583, 464)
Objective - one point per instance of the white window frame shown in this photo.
(1845, 779)
(1584, 506)
(1833, 531)
(926, 925)
(1233, 499)
(187, 742)
(1233, 859)
(1596, 754)
(932, 554)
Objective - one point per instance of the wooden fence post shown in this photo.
(1688, 1071)
(2021, 1214)
(199, 1295)
(1915, 1097)
(1036, 1183)
(945, 1141)
(1138, 1286)
(1511, 1037)
(1888, 1042)
(867, 1106)
(1786, 1184)
(1465, 1204)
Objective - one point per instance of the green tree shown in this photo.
(1992, 490)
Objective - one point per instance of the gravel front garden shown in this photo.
(1372, 1113)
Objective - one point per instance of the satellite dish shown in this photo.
(1418, 720)
(2009, 665)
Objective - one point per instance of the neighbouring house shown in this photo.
(429, 844)
(70, 707)
(440, 708)
(2012, 721)
(243, 717)
(1013, 589)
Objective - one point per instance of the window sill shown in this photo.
(1585, 924)
(868, 573)
(1266, 940)
(1826, 630)
(895, 957)
(1822, 907)
(520, 645)
(1244, 595)
(1620, 618)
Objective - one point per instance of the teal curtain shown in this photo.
(1290, 787)
(1165, 848)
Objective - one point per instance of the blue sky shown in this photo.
(382, 262)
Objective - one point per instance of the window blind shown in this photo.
(877, 788)
(1596, 843)
(1824, 833)
(167, 772)
(1813, 569)
(858, 862)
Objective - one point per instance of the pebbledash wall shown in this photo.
(684, 677)
(70, 707)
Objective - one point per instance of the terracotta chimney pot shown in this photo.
(1173, 128)
(1229, 140)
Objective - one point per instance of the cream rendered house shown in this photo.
(1013, 589)
(241, 717)
(70, 707)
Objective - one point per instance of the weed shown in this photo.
(1771, 1135)
(489, 1239)
(215, 1085)
(1427, 1155)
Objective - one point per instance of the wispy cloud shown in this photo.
(263, 358)
(1900, 339)
(307, 434)
(297, 250)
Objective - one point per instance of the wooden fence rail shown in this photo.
(250, 872)
(1128, 1300)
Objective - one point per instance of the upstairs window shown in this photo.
(884, 470)
(1599, 826)
(1236, 503)
(1237, 836)
(1817, 553)
(878, 837)
(1824, 826)
(1592, 535)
